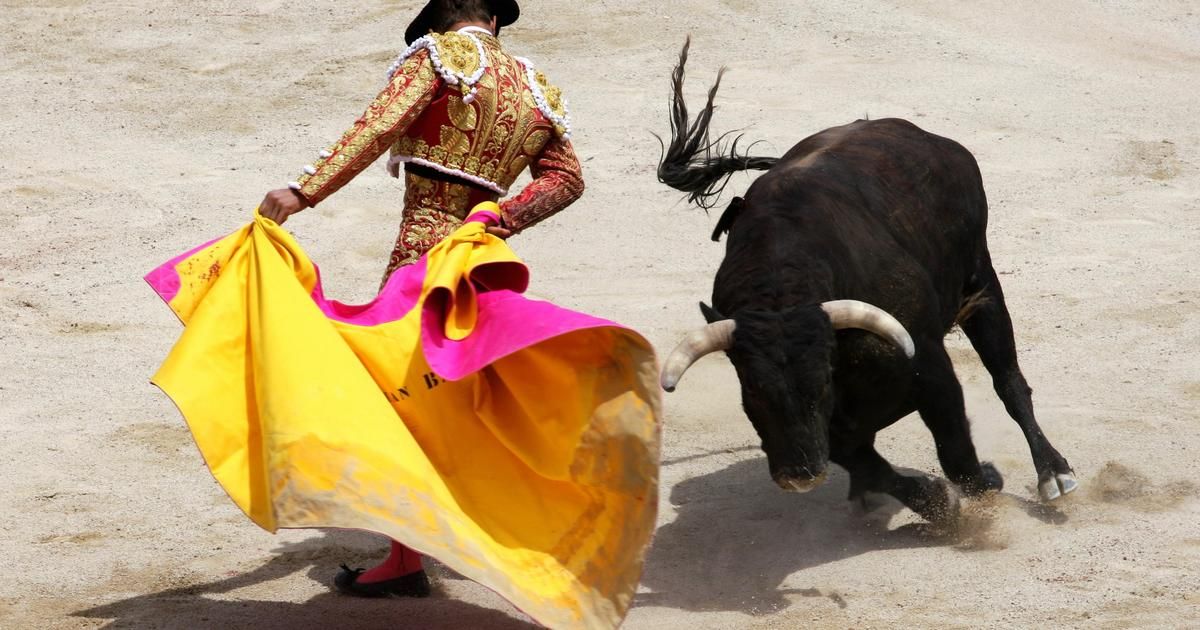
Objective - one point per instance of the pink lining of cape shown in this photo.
(507, 322)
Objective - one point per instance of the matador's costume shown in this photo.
(516, 441)
(465, 118)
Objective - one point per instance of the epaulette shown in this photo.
(458, 57)
(549, 99)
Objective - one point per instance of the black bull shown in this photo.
(875, 225)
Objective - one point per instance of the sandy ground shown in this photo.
(134, 130)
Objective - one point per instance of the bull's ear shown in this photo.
(710, 314)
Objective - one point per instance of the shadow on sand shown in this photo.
(194, 606)
(735, 541)
(738, 537)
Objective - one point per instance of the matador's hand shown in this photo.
(280, 204)
(496, 230)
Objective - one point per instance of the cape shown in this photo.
(515, 441)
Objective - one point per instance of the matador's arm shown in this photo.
(557, 183)
(407, 94)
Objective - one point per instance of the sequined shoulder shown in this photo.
(458, 58)
(549, 98)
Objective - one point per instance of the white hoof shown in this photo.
(1049, 490)
(1057, 486)
(1067, 483)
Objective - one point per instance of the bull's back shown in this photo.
(907, 176)
(889, 180)
(866, 201)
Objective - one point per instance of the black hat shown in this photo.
(506, 12)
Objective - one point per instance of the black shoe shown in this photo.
(414, 584)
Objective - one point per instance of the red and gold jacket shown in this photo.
(458, 104)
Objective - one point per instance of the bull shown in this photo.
(846, 263)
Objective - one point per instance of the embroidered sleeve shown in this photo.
(557, 183)
(409, 91)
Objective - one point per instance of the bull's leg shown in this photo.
(932, 499)
(940, 402)
(989, 328)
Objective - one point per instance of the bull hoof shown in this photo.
(1057, 486)
(940, 506)
(989, 480)
(992, 479)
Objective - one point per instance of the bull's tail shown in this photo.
(691, 162)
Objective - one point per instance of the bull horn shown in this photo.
(713, 337)
(856, 314)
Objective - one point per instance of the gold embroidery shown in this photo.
(552, 93)
(552, 103)
(535, 142)
(418, 188)
(462, 115)
(501, 133)
(454, 142)
(500, 125)
(457, 53)
(432, 210)
(519, 164)
(438, 154)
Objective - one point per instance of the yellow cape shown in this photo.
(535, 475)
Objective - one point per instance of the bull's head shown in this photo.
(785, 364)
